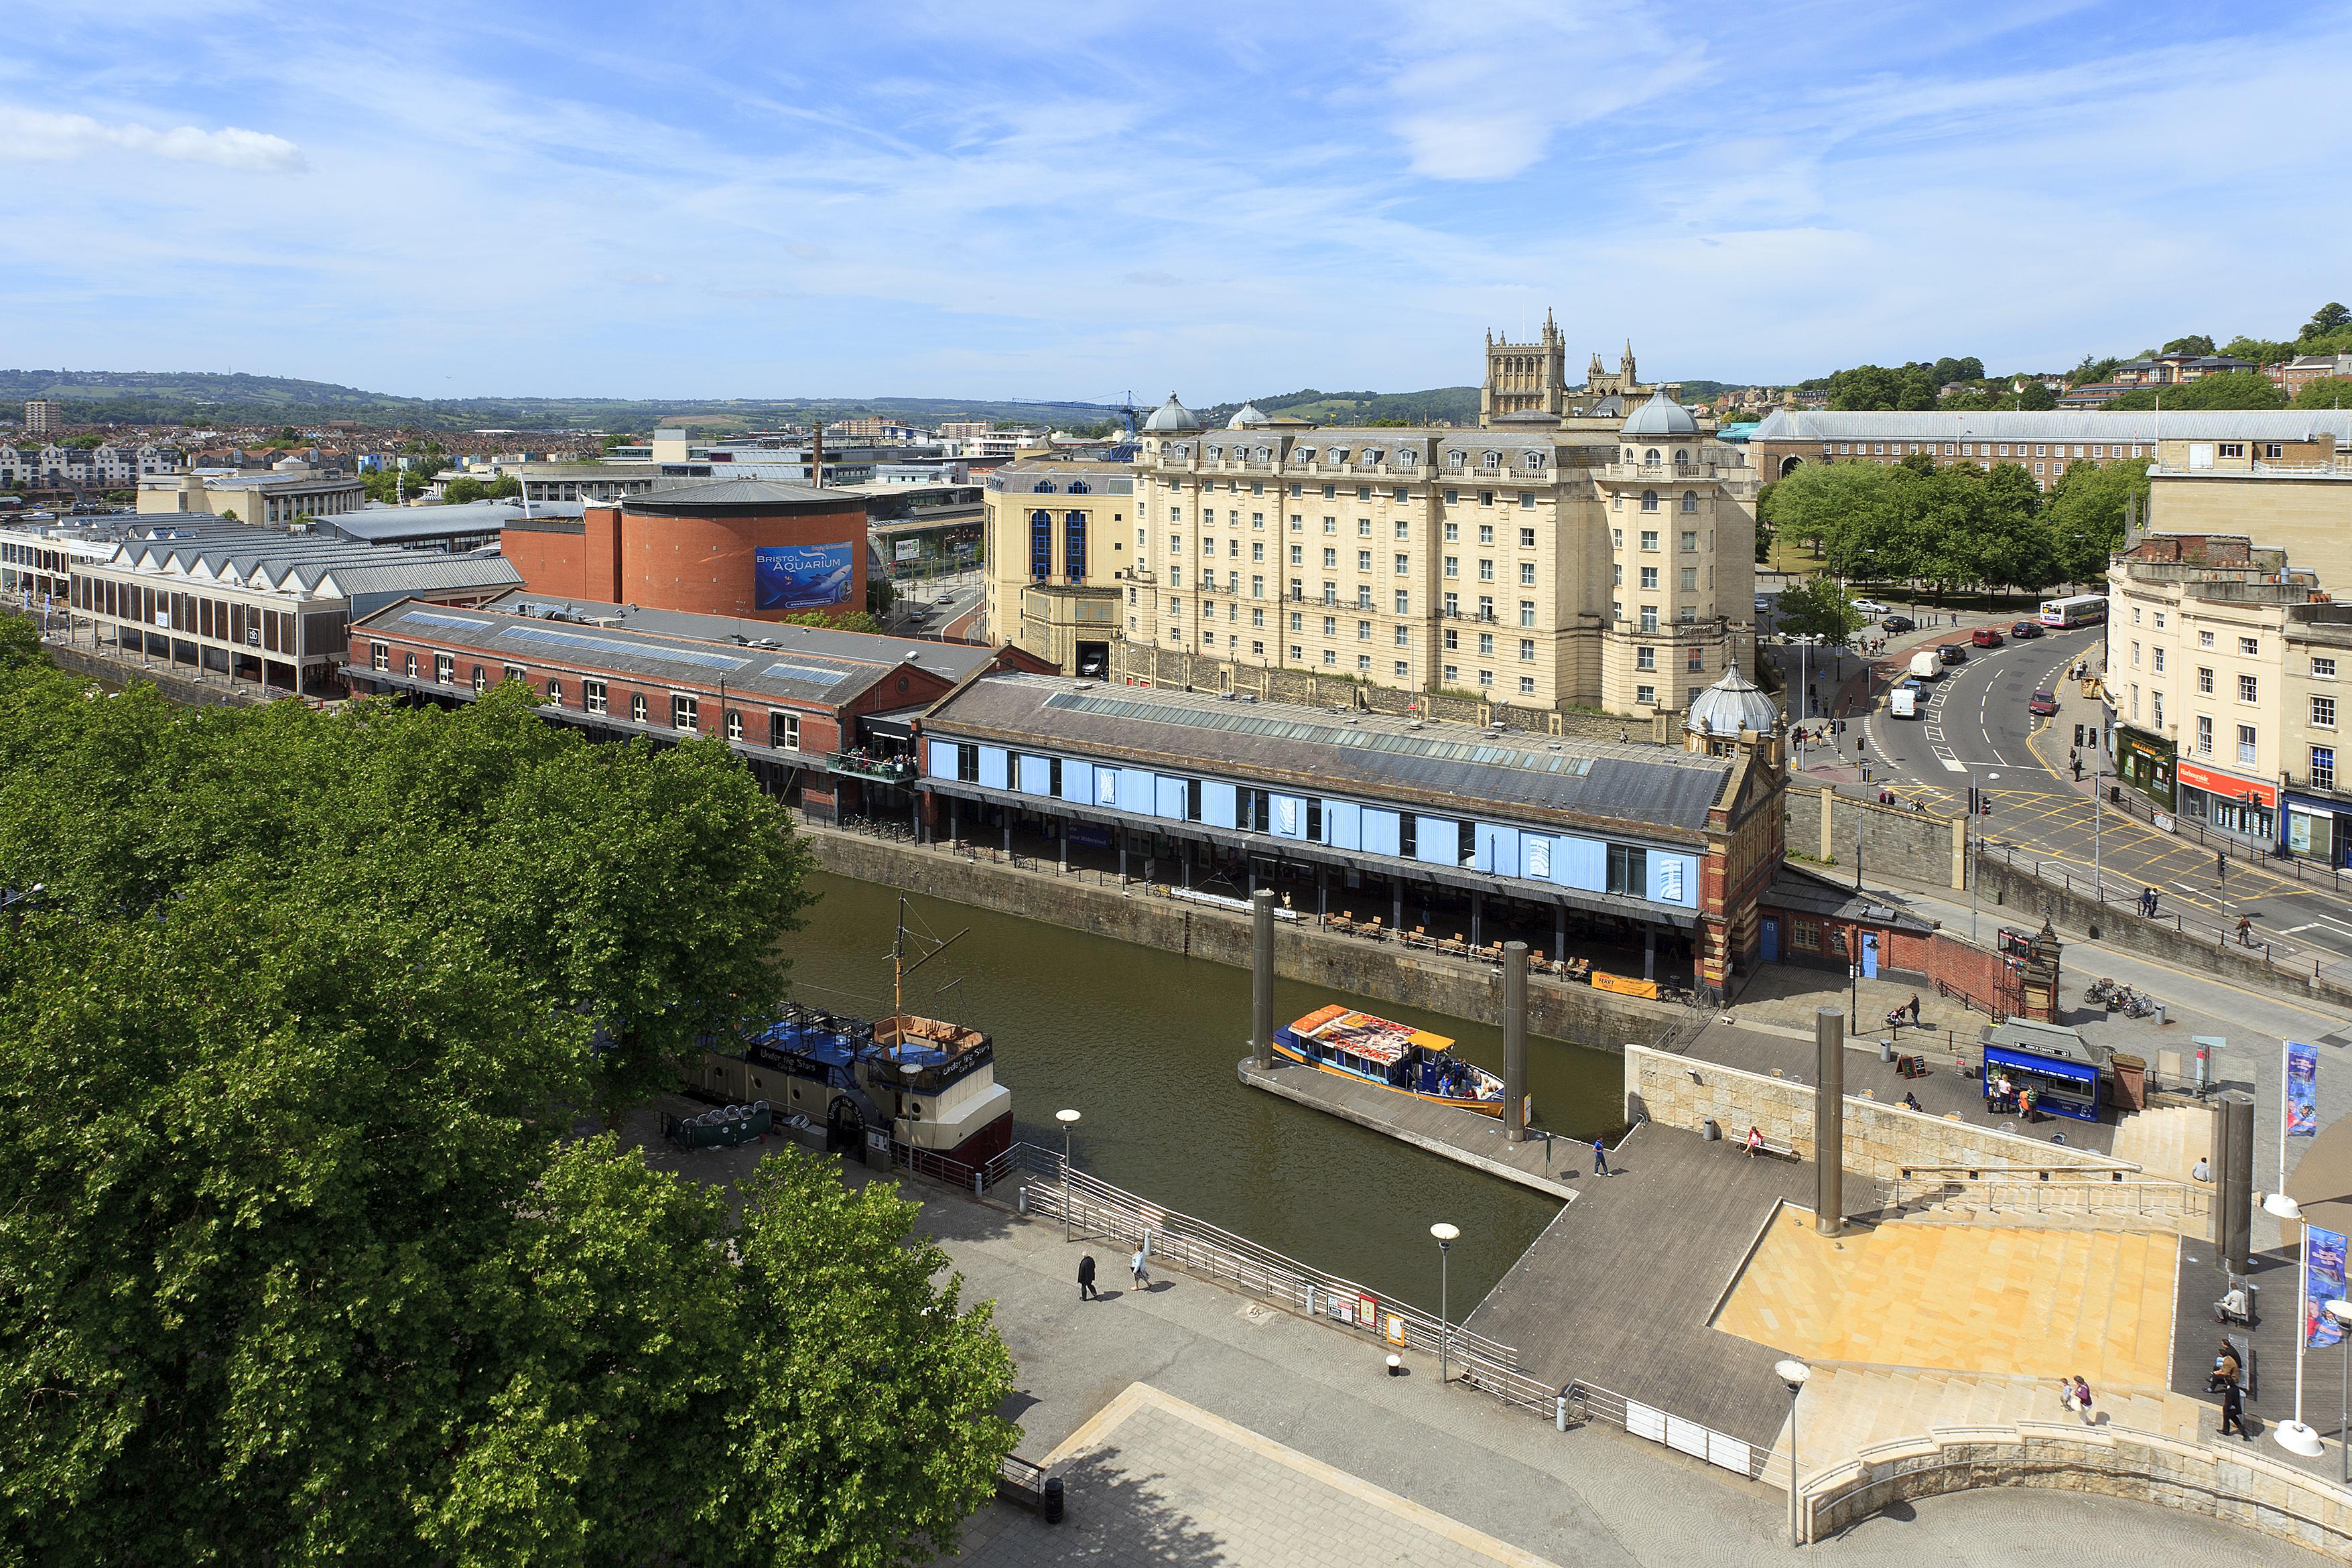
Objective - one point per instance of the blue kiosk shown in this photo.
(2045, 1067)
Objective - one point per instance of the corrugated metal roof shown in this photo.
(2057, 425)
(1370, 753)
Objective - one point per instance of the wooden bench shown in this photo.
(1765, 1145)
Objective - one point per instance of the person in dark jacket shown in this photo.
(1086, 1292)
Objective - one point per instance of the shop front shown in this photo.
(2319, 827)
(2245, 807)
(2033, 1070)
(2144, 762)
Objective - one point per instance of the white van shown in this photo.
(1926, 665)
(1903, 702)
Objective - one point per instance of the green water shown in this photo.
(1142, 1043)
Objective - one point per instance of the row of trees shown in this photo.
(1957, 525)
(313, 1244)
(1915, 384)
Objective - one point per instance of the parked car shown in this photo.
(1900, 624)
(2043, 704)
(1952, 653)
(2024, 629)
(1869, 607)
(1985, 636)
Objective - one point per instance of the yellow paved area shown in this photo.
(2027, 1302)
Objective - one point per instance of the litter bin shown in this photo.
(1708, 1131)
(2131, 1081)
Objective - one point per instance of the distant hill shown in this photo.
(206, 398)
(1438, 404)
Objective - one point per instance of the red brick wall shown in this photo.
(705, 564)
(554, 564)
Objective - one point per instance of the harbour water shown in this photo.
(1143, 1044)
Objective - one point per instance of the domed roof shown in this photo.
(1247, 416)
(1171, 415)
(1730, 705)
(1662, 416)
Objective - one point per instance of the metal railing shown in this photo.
(2055, 1190)
(2302, 868)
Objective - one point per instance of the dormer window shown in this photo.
(1263, 454)
(1045, 487)
(1535, 462)
(1216, 454)
(1457, 459)
(1338, 454)
(1407, 457)
(1373, 453)
(1305, 453)
(1490, 460)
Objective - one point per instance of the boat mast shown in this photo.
(900, 969)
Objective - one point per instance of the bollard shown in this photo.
(1559, 1412)
(1053, 1499)
(979, 1185)
(1021, 1201)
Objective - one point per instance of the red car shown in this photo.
(1985, 636)
(2043, 704)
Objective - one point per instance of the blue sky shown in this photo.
(1017, 200)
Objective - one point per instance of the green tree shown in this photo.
(506, 486)
(2232, 389)
(2330, 318)
(86, 443)
(462, 491)
(2194, 343)
(2326, 392)
(2261, 351)
(846, 621)
(1817, 607)
(1917, 390)
(2034, 395)
(2085, 514)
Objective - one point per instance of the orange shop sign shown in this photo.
(2229, 786)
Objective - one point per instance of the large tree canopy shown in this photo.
(304, 1256)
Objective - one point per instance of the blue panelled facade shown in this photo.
(1540, 857)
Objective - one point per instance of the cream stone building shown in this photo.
(1585, 554)
(1059, 545)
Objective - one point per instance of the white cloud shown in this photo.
(34, 134)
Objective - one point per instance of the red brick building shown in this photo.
(751, 548)
(822, 717)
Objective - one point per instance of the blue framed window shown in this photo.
(1041, 545)
(1074, 546)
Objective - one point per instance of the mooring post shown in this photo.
(1262, 977)
(1515, 1041)
(1829, 1121)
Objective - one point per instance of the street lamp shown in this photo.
(2340, 1313)
(1793, 1373)
(1446, 1235)
(2297, 1437)
(1068, 1118)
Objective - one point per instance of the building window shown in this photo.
(967, 763)
(2205, 679)
(2323, 767)
(445, 668)
(2248, 689)
(2322, 712)
(1690, 579)
(592, 696)
(1649, 617)
(555, 692)
(1645, 694)
(379, 657)
(2158, 652)
(2249, 646)
(1648, 501)
(1649, 538)
(1690, 500)
(1454, 567)
(1629, 866)
(1646, 658)
(636, 707)
(734, 725)
(2322, 668)
(515, 672)
(785, 735)
(481, 680)
(1649, 577)
(2245, 745)
(2204, 735)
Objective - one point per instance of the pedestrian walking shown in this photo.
(1914, 1010)
(2245, 932)
(2233, 1412)
(1138, 1266)
(1086, 1292)
(1600, 1159)
(2078, 1398)
(2154, 899)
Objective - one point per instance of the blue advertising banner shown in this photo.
(804, 576)
(2302, 1090)
(2323, 1281)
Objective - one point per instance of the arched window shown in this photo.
(1074, 546)
(1682, 455)
(1041, 545)
(1081, 488)
(1790, 465)
(734, 724)
(1648, 501)
(1651, 457)
(1045, 487)
(1690, 500)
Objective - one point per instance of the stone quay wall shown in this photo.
(1895, 840)
(1383, 970)
(2237, 1484)
(1881, 1139)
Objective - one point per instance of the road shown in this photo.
(950, 601)
(1974, 731)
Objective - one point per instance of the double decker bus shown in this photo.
(2081, 610)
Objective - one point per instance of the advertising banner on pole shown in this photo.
(2323, 1281)
(2302, 1090)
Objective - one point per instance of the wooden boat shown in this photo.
(1395, 1056)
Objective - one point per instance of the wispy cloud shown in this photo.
(1020, 201)
(33, 133)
